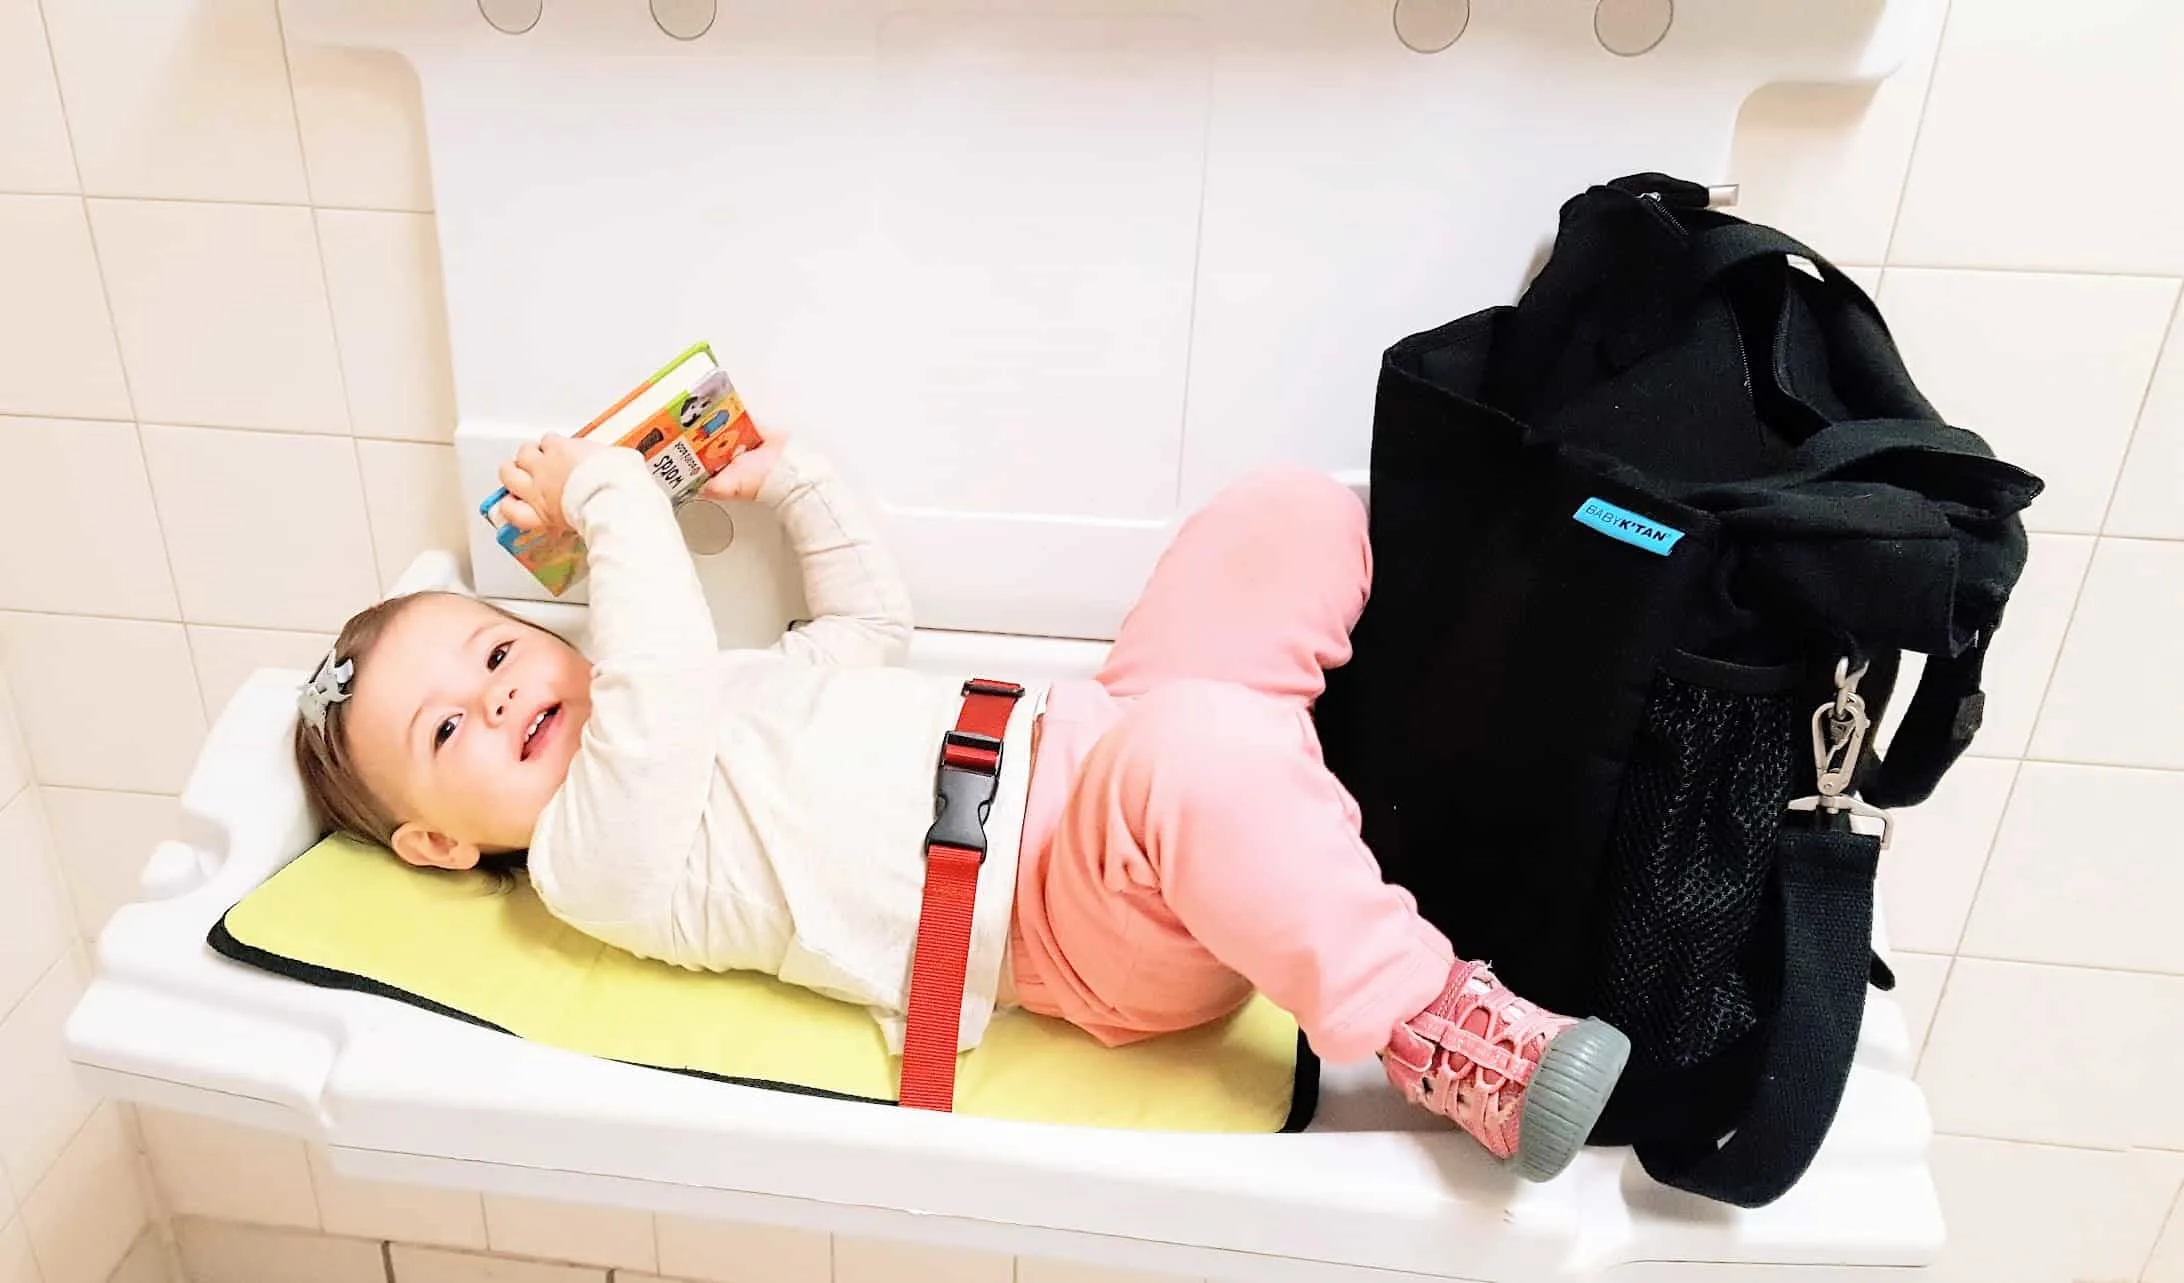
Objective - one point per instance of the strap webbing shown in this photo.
(955, 850)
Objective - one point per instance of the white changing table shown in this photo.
(1372, 1191)
(1045, 273)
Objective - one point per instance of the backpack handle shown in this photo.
(1719, 250)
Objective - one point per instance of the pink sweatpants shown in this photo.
(1184, 842)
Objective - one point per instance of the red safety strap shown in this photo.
(955, 847)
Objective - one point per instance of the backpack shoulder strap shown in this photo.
(1824, 881)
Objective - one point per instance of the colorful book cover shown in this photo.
(688, 423)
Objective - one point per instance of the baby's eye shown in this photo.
(500, 653)
(444, 733)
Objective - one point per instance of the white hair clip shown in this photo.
(328, 686)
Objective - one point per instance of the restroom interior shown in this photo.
(207, 223)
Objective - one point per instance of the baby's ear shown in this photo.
(431, 849)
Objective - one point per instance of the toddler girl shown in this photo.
(1162, 841)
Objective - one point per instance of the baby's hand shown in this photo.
(536, 477)
(742, 478)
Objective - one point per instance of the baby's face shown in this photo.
(464, 722)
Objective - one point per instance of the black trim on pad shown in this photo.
(1303, 1090)
(224, 943)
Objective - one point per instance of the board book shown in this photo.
(688, 423)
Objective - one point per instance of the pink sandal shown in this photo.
(1526, 1082)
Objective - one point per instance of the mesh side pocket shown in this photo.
(1688, 858)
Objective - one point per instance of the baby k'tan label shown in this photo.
(1628, 526)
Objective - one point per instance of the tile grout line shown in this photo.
(1926, 1036)
(2066, 1146)
(173, 623)
(176, 797)
(1918, 136)
(1968, 267)
(333, 322)
(2152, 973)
(129, 198)
(202, 426)
(1986, 859)
(2138, 420)
(45, 973)
(2055, 665)
(60, 98)
(2176, 1203)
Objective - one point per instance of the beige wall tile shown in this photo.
(104, 703)
(222, 314)
(2023, 89)
(224, 1252)
(34, 925)
(2149, 499)
(34, 151)
(81, 487)
(2086, 871)
(1919, 981)
(1939, 849)
(435, 1265)
(2167, 1263)
(184, 99)
(2123, 659)
(868, 1260)
(265, 530)
(2049, 369)
(2036, 1214)
(41, 1106)
(17, 1264)
(226, 657)
(410, 492)
(1825, 163)
(405, 1213)
(2057, 1055)
(57, 353)
(2024, 651)
(224, 1172)
(390, 314)
(103, 840)
(363, 118)
(570, 1232)
(88, 1212)
(726, 1252)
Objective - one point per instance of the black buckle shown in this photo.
(961, 799)
(963, 794)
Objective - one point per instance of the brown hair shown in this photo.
(332, 784)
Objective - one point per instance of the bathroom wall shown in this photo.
(224, 408)
(72, 1203)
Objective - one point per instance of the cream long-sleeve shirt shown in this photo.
(764, 810)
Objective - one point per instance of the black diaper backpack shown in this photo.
(1648, 548)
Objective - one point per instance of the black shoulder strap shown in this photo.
(1824, 878)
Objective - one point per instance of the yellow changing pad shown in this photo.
(350, 916)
